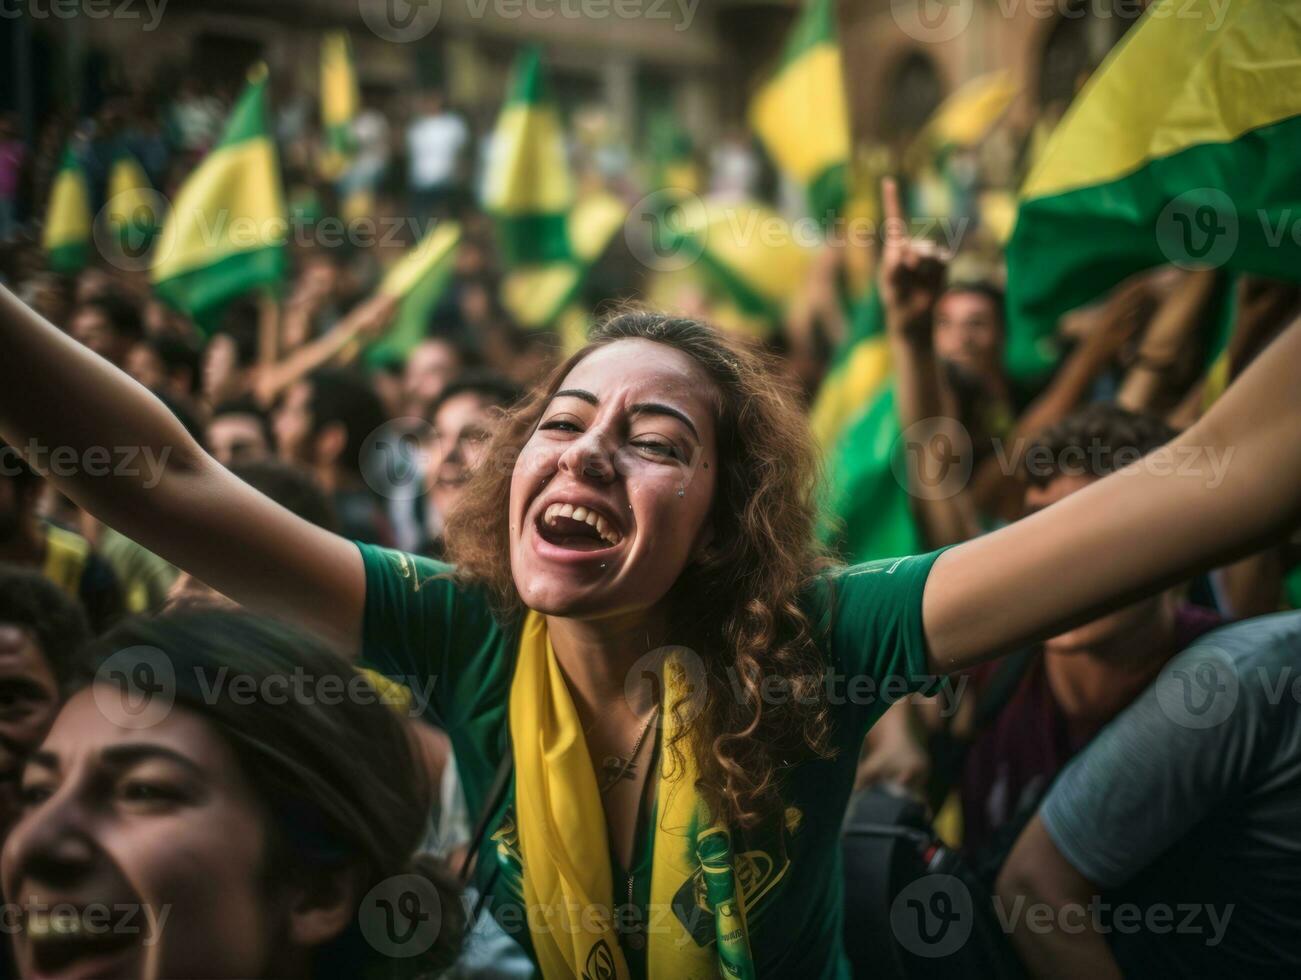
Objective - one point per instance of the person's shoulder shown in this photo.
(1251, 643)
(1261, 639)
(408, 572)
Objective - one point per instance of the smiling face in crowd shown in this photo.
(611, 496)
(116, 818)
(462, 428)
(969, 332)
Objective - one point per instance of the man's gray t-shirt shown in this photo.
(1188, 808)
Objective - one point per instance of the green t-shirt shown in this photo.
(441, 639)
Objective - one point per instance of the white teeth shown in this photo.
(43, 926)
(589, 517)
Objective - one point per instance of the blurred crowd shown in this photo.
(280, 393)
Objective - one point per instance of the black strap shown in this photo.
(998, 692)
(490, 805)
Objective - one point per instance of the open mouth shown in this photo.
(79, 943)
(577, 528)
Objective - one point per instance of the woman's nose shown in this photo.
(50, 845)
(587, 457)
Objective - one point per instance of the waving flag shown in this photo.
(67, 220)
(1181, 149)
(227, 228)
(547, 241)
(419, 280)
(801, 114)
(340, 101)
(132, 208)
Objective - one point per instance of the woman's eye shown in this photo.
(559, 424)
(138, 791)
(33, 795)
(667, 450)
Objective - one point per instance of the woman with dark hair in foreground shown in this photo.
(222, 796)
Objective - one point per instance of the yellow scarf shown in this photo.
(567, 880)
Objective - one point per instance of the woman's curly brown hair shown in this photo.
(739, 605)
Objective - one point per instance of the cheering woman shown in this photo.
(655, 690)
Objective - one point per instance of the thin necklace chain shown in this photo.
(626, 763)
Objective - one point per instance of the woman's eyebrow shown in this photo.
(131, 753)
(656, 408)
(579, 393)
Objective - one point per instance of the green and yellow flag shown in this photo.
(66, 237)
(859, 368)
(748, 258)
(866, 512)
(967, 116)
(673, 156)
(547, 240)
(419, 279)
(801, 114)
(537, 295)
(1181, 149)
(132, 208)
(340, 102)
(227, 229)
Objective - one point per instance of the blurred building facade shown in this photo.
(699, 59)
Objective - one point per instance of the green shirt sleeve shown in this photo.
(435, 635)
(876, 645)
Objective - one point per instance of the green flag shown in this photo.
(1181, 149)
(227, 229)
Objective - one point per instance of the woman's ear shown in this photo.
(702, 551)
(321, 906)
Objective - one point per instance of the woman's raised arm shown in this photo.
(1226, 487)
(160, 488)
